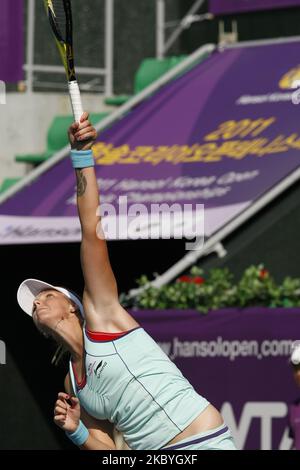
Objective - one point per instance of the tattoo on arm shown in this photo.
(81, 183)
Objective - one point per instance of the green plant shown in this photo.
(216, 290)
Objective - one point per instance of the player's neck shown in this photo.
(71, 337)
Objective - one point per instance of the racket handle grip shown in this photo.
(75, 100)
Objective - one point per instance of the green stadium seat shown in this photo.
(7, 183)
(150, 70)
(117, 100)
(56, 138)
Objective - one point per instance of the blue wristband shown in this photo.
(80, 436)
(82, 158)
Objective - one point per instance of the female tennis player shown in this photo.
(118, 374)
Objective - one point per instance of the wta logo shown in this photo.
(2, 92)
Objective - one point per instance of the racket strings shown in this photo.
(60, 18)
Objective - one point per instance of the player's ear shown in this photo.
(72, 308)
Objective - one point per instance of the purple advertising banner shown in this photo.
(238, 360)
(221, 7)
(11, 41)
(221, 135)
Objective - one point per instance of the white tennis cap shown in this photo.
(295, 356)
(30, 288)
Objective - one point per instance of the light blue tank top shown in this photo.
(132, 383)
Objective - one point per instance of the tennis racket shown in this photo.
(60, 18)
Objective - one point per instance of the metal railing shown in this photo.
(164, 43)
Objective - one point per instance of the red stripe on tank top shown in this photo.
(103, 336)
